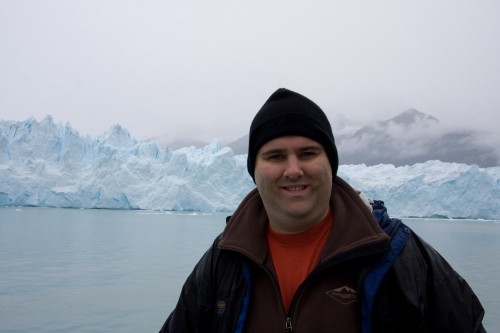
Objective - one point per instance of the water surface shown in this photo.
(69, 270)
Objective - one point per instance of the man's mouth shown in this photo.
(295, 188)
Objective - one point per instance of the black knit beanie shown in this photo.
(289, 113)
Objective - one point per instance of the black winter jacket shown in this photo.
(411, 288)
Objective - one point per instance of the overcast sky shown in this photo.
(204, 68)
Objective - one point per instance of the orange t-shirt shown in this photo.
(295, 255)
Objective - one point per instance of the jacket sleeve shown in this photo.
(194, 305)
(441, 297)
(213, 295)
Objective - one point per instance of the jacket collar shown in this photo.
(355, 231)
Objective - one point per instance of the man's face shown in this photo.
(294, 179)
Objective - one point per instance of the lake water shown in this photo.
(69, 270)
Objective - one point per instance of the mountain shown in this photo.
(408, 138)
(239, 146)
(176, 143)
(414, 137)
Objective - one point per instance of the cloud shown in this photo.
(204, 69)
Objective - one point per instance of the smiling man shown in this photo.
(304, 252)
(294, 179)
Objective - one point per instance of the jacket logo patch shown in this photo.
(344, 295)
(221, 307)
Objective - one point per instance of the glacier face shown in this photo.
(48, 164)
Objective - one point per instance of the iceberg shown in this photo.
(51, 165)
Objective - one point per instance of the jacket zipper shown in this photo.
(317, 270)
(288, 318)
(288, 325)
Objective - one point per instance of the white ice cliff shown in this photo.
(48, 164)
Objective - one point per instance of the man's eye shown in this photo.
(308, 154)
(275, 157)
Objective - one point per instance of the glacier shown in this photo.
(48, 164)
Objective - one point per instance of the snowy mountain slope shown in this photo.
(408, 138)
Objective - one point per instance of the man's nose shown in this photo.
(293, 169)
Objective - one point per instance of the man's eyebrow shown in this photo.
(311, 148)
(273, 151)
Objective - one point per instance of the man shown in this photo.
(303, 252)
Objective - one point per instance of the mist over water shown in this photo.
(74, 270)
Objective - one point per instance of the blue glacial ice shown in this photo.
(52, 165)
